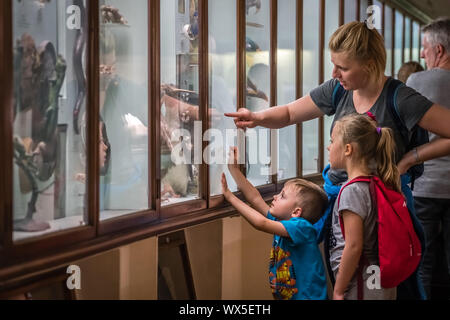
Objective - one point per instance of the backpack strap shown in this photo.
(338, 92)
(362, 260)
(392, 94)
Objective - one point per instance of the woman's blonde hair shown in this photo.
(372, 143)
(361, 43)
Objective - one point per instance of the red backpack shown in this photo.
(399, 248)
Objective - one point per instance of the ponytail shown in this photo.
(384, 156)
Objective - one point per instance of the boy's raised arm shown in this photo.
(258, 221)
(250, 192)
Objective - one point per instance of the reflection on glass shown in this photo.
(349, 11)
(123, 108)
(258, 88)
(407, 52)
(49, 90)
(310, 81)
(331, 24)
(388, 39)
(415, 42)
(222, 62)
(398, 54)
(287, 137)
(179, 101)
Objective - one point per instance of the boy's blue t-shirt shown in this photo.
(296, 270)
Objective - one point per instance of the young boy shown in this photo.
(296, 268)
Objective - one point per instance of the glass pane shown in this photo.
(258, 89)
(388, 39)
(415, 42)
(287, 137)
(49, 90)
(222, 95)
(349, 11)
(398, 54)
(179, 101)
(363, 10)
(123, 142)
(310, 81)
(331, 24)
(407, 52)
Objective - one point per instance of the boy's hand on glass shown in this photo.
(226, 192)
(233, 157)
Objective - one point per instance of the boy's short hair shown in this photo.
(311, 198)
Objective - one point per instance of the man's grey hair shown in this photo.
(438, 32)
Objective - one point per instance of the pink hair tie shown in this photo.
(379, 130)
(372, 116)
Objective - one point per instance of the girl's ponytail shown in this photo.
(386, 167)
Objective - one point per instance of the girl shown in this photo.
(361, 148)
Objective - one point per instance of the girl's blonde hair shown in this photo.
(372, 143)
(361, 43)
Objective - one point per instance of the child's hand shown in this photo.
(226, 192)
(233, 157)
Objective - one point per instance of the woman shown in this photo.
(359, 59)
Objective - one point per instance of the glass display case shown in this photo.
(257, 95)
(310, 77)
(222, 42)
(180, 113)
(286, 87)
(49, 161)
(124, 107)
(114, 126)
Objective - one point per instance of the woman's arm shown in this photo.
(432, 150)
(301, 110)
(437, 120)
(353, 226)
